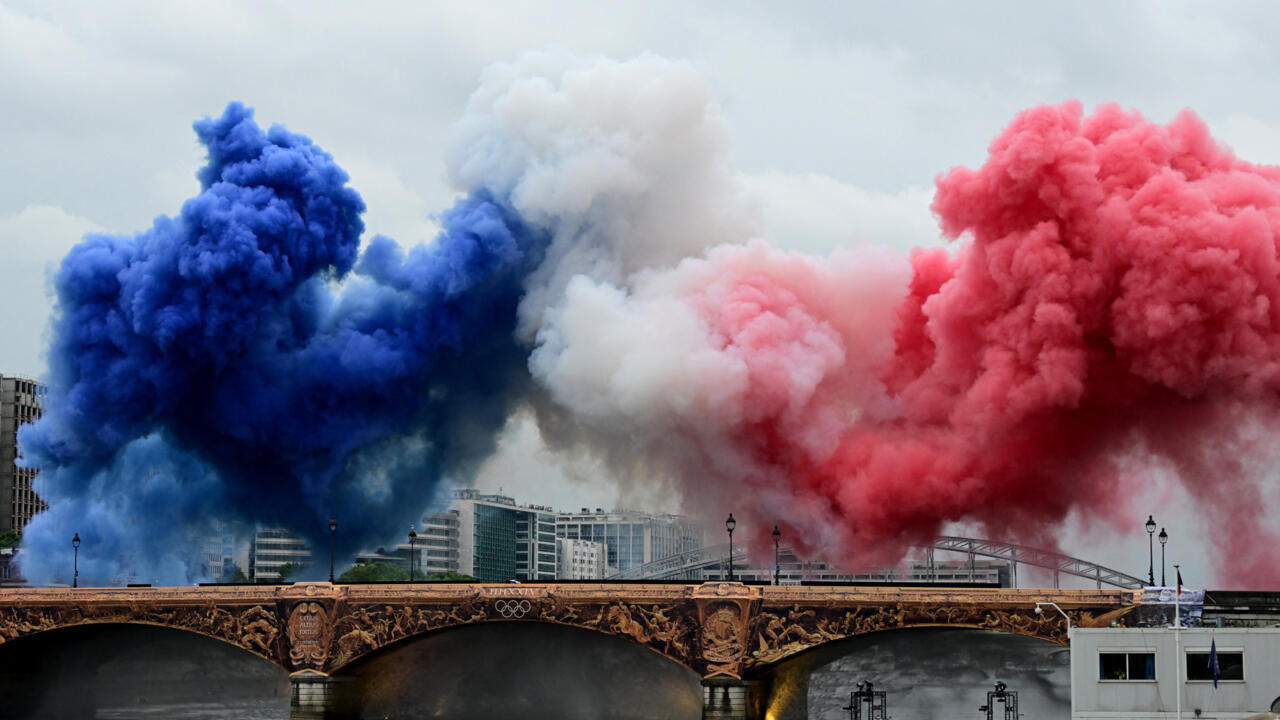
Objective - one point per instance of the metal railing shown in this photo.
(683, 565)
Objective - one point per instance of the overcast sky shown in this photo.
(844, 113)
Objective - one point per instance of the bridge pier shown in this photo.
(315, 696)
(726, 698)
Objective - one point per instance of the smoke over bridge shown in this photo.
(1110, 308)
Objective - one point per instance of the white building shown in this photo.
(272, 549)
(580, 560)
(437, 544)
(630, 537)
(1149, 673)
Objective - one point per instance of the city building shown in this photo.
(272, 549)
(223, 555)
(21, 400)
(437, 544)
(580, 559)
(1155, 672)
(499, 540)
(434, 551)
(630, 538)
(9, 576)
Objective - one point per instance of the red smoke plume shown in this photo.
(1118, 304)
(1110, 317)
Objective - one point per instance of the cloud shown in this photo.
(33, 241)
(817, 214)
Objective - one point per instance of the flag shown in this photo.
(1214, 670)
(1177, 599)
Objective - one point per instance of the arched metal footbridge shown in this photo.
(681, 565)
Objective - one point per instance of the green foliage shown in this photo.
(289, 570)
(451, 577)
(10, 539)
(374, 572)
(237, 575)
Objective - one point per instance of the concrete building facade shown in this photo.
(437, 544)
(21, 402)
(272, 549)
(580, 559)
(630, 538)
(1151, 673)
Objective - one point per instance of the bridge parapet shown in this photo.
(791, 620)
(716, 629)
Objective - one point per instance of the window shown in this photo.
(1230, 665)
(1127, 666)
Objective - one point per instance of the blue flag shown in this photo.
(1214, 670)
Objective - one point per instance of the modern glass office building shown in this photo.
(499, 540)
(630, 537)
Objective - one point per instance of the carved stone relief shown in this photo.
(309, 635)
(714, 628)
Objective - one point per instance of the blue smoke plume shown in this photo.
(244, 362)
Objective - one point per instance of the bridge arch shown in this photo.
(364, 632)
(925, 672)
(531, 669)
(253, 629)
(780, 633)
(75, 670)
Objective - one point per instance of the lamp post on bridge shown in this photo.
(777, 566)
(333, 527)
(75, 561)
(413, 539)
(1151, 553)
(729, 525)
(1164, 538)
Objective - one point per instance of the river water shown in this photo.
(274, 709)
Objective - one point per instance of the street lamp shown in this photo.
(1151, 552)
(729, 525)
(1054, 605)
(75, 546)
(777, 566)
(413, 538)
(333, 527)
(1164, 538)
(1065, 616)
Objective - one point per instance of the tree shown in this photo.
(10, 539)
(289, 570)
(451, 577)
(374, 572)
(237, 575)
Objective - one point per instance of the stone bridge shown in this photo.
(728, 633)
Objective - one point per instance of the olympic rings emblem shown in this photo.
(513, 608)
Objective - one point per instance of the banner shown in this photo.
(1159, 605)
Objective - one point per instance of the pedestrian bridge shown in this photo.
(723, 631)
